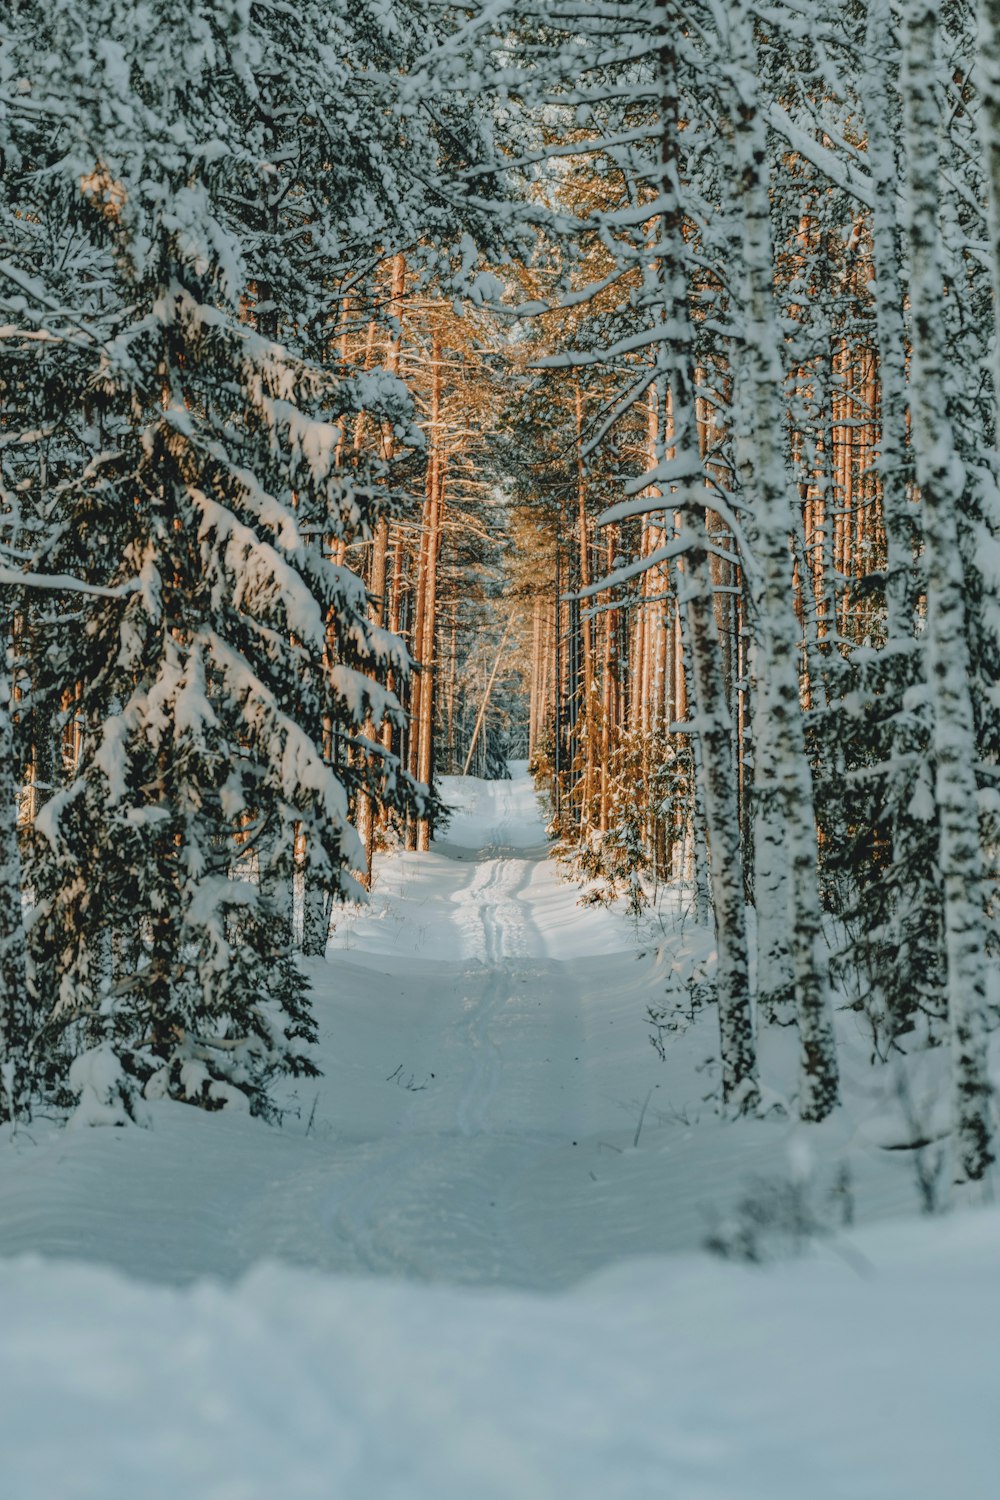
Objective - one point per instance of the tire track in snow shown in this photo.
(504, 928)
(487, 1061)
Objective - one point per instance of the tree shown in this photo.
(216, 701)
(942, 480)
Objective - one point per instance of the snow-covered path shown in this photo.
(465, 1060)
(487, 1068)
(486, 1064)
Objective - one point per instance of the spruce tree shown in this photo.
(216, 699)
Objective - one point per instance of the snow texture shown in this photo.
(682, 1379)
(449, 1277)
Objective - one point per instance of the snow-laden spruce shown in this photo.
(213, 708)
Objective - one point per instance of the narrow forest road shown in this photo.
(486, 1066)
(482, 1029)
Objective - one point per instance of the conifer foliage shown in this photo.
(213, 698)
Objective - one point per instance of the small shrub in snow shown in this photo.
(779, 1217)
(107, 1094)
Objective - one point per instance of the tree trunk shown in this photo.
(427, 627)
(588, 734)
(14, 1008)
(941, 479)
(766, 486)
(717, 768)
(897, 511)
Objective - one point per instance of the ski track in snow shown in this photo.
(500, 912)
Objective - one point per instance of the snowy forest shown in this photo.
(499, 540)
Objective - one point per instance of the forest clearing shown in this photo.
(500, 748)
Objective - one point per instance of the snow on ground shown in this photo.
(491, 1127)
(660, 1380)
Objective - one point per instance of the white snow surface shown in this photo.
(663, 1379)
(454, 1275)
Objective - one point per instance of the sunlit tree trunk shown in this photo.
(588, 703)
(989, 111)
(14, 1009)
(882, 49)
(425, 625)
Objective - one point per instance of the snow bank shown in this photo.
(688, 1379)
